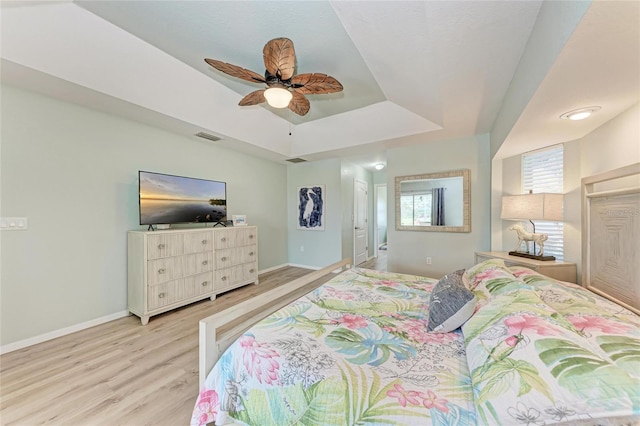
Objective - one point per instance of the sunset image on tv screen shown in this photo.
(177, 199)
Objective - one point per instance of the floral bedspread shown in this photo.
(544, 352)
(356, 351)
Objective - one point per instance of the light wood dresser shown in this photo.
(559, 270)
(172, 268)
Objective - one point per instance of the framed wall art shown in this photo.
(311, 208)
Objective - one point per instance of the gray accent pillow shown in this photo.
(451, 303)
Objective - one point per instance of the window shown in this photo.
(416, 209)
(542, 171)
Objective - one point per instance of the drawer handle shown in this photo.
(223, 258)
(161, 296)
(223, 239)
(251, 271)
(205, 242)
(161, 246)
(251, 253)
(224, 278)
(205, 283)
(251, 237)
(161, 271)
(205, 262)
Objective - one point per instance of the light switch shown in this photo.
(13, 223)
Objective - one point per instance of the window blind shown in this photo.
(542, 171)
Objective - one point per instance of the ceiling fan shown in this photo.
(284, 88)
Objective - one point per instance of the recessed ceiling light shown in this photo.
(579, 114)
(379, 166)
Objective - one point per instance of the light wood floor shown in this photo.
(378, 263)
(120, 373)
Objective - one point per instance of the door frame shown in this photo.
(376, 195)
(366, 210)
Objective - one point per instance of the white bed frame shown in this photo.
(611, 238)
(219, 330)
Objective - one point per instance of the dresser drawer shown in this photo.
(228, 277)
(198, 242)
(225, 238)
(196, 285)
(246, 236)
(161, 270)
(163, 294)
(197, 263)
(250, 271)
(248, 253)
(164, 245)
(235, 237)
(235, 256)
(226, 258)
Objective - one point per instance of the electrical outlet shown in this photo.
(301, 249)
(428, 260)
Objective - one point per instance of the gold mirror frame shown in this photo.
(466, 201)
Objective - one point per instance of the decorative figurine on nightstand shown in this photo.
(544, 206)
(525, 236)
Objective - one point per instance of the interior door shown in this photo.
(360, 220)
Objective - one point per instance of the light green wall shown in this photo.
(408, 250)
(315, 248)
(320, 248)
(72, 172)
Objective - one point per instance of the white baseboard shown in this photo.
(295, 265)
(10, 347)
(273, 268)
(315, 268)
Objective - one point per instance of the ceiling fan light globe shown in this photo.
(278, 97)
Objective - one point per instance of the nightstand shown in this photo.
(559, 270)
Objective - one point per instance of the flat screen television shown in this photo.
(167, 199)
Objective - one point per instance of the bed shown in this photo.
(490, 345)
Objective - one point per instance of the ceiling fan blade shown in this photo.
(316, 83)
(280, 58)
(299, 104)
(236, 71)
(253, 98)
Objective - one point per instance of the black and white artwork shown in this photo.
(311, 208)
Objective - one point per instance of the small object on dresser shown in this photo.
(524, 236)
(239, 220)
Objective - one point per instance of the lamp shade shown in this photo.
(544, 206)
(278, 96)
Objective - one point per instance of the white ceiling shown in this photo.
(412, 71)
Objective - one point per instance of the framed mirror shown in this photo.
(434, 202)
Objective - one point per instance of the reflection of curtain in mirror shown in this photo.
(437, 207)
